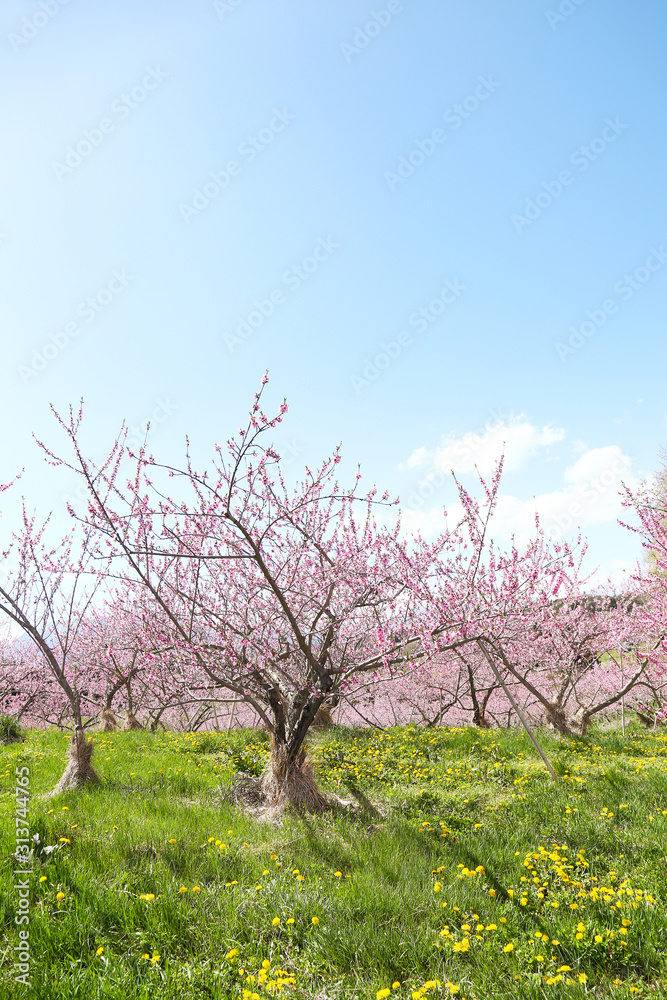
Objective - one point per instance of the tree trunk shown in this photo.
(131, 721)
(480, 719)
(567, 725)
(108, 720)
(323, 718)
(79, 768)
(478, 711)
(557, 718)
(289, 779)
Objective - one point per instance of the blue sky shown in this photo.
(441, 227)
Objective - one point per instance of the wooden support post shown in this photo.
(518, 711)
(231, 717)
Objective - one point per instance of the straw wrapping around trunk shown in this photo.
(131, 721)
(323, 718)
(285, 783)
(79, 768)
(108, 720)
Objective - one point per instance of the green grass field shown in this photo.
(481, 877)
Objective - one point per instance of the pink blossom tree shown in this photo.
(528, 618)
(280, 596)
(648, 505)
(46, 591)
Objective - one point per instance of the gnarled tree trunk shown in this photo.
(289, 778)
(561, 722)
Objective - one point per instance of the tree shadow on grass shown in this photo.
(460, 853)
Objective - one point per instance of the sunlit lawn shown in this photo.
(481, 877)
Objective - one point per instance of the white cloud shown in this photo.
(517, 438)
(417, 458)
(596, 463)
(589, 496)
(586, 498)
(427, 523)
(618, 573)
